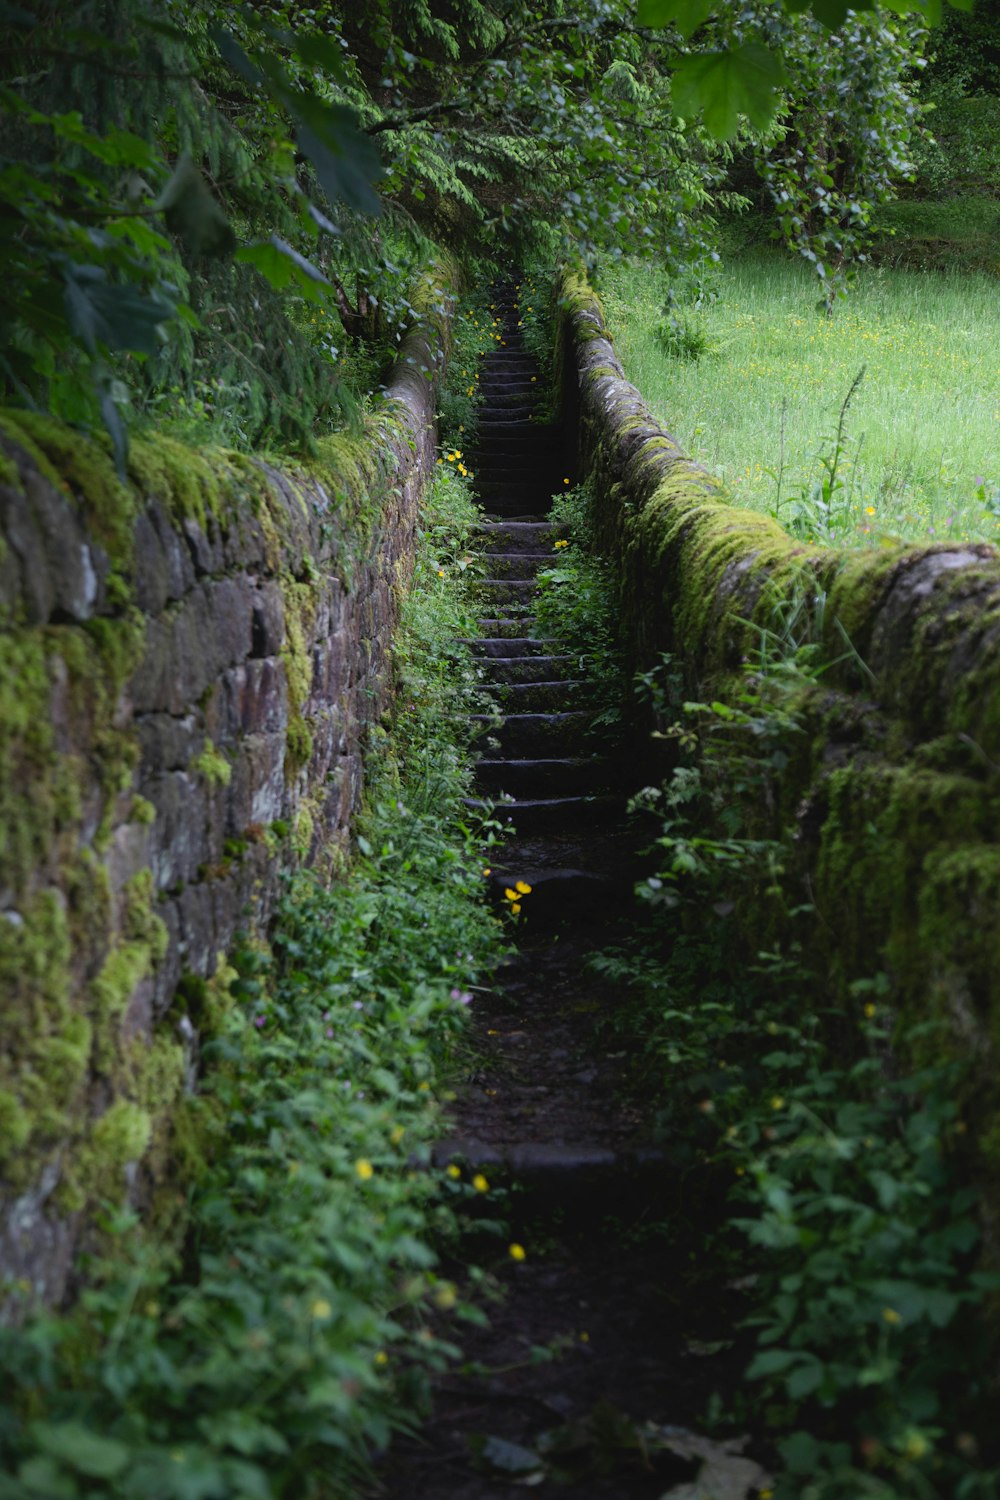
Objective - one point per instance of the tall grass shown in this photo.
(760, 406)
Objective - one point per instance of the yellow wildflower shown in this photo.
(516, 1252)
(321, 1308)
(891, 1316)
(480, 1183)
(364, 1169)
(453, 1171)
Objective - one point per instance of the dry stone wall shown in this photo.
(188, 664)
(888, 804)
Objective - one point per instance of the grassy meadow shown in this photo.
(759, 405)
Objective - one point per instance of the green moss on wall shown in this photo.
(215, 768)
(84, 470)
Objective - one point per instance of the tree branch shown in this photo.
(416, 116)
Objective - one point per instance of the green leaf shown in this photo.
(111, 415)
(318, 51)
(119, 317)
(81, 1449)
(345, 161)
(772, 1362)
(192, 213)
(721, 86)
(686, 15)
(801, 1453)
(283, 266)
(806, 1379)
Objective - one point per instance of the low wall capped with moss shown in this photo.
(188, 663)
(888, 801)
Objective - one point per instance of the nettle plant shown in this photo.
(849, 1223)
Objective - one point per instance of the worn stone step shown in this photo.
(526, 735)
(543, 477)
(556, 776)
(500, 397)
(517, 641)
(510, 593)
(539, 697)
(500, 415)
(529, 816)
(496, 482)
(508, 536)
(508, 382)
(497, 669)
(503, 565)
(528, 497)
(581, 1182)
(567, 895)
(507, 434)
(511, 354)
(515, 457)
(501, 626)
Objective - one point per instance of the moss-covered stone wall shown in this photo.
(188, 662)
(890, 798)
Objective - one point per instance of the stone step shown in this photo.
(500, 416)
(503, 565)
(497, 669)
(511, 593)
(505, 433)
(531, 495)
(507, 536)
(578, 1181)
(517, 507)
(507, 382)
(525, 735)
(511, 466)
(541, 475)
(500, 641)
(513, 355)
(526, 817)
(501, 400)
(539, 697)
(567, 776)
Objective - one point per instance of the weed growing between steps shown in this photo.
(848, 1223)
(473, 337)
(576, 602)
(296, 1332)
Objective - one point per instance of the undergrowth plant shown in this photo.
(850, 1226)
(296, 1328)
(576, 601)
(459, 399)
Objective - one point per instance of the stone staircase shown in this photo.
(540, 759)
(543, 1110)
